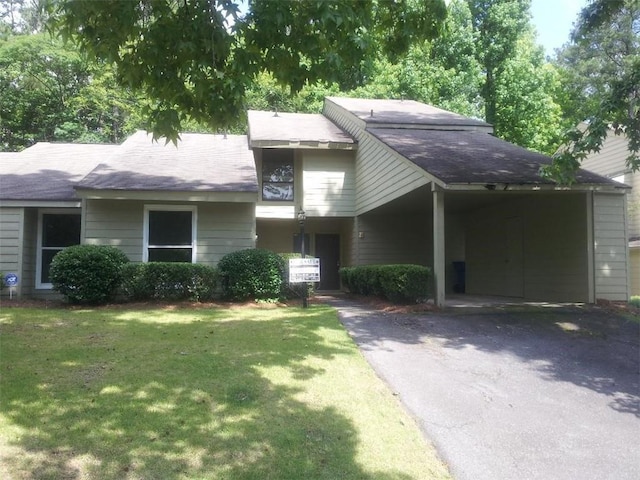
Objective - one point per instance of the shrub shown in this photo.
(254, 273)
(635, 301)
(169, 281)
(88, 273)
(397, 283)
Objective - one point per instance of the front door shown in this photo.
(328, 251)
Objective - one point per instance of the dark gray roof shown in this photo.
(295, 129)
(200, 162)
(376, 112)
(466, 157)
(48, 171)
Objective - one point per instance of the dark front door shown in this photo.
(328, 251)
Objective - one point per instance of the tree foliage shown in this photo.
(50, 92)
(498, 25)
(600, 72)
(196, 58)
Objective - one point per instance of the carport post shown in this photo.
(438, 245)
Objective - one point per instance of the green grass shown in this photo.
(197, 393)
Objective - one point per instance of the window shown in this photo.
(169, 234)
(55, 232)
(277, 175)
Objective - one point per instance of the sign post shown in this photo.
(304, 270)
(11, 281)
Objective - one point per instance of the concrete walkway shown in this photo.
(541, 394)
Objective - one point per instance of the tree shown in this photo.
(498, 25)
(601, 83)
(526, 112)
(196, 58)
(49, 92)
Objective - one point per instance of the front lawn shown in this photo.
(197, 393)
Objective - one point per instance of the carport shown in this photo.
(434, 187)
(489, 224)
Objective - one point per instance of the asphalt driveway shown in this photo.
(513, 394)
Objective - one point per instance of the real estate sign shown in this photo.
(303, 270)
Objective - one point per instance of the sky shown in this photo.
(553, 20)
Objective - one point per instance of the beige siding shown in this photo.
(533, 247)
(634, 262)
(556, 248)
(610, 252)
(387, 239)
(277, 235)
(222, 227)
(29, 249)
(633, 204)
(610, 160)
(381, 174)
(328, 180)
(115, 222)
(11, 235)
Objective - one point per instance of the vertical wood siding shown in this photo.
(554, 251)
(381, 174)
(328, 179)
(634, 255)
(611, 247)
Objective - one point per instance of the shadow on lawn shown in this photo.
(588, 347)
(183, 400)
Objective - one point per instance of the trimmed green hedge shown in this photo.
(88, 273)
(397, 283)
(252, 274)
(169, 281)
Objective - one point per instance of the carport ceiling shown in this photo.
(420, 201)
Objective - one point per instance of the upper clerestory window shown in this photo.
(277, 175)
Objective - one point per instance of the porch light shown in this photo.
(302, 216)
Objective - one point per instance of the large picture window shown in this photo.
(56, 231)
(170, 233)
(277, 175)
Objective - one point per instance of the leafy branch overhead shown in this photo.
(195, 59)
(601, 71)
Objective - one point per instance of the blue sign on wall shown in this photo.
(11, 279)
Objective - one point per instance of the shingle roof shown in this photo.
(284, 129)
(408, 113)
(200, 162)
(48, 171)
(467, 157)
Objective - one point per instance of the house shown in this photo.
(381, 181)
(610, 161)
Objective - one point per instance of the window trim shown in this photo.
(170, 208)
(293, 181)
(39, 248)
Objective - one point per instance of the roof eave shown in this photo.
(548, 187)
(249, 196)
(307, 144)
